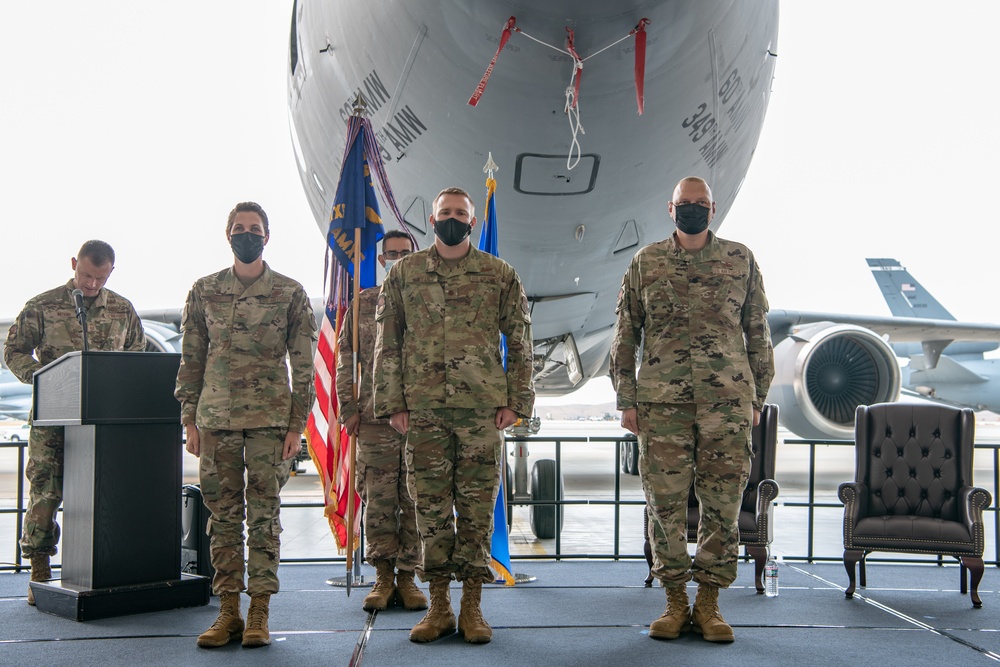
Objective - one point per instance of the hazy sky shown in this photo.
(143, 123)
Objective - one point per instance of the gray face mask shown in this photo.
(389, 263)
(247, 246)
(691, 218)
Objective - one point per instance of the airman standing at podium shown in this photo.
(44, 331)
(242, 417)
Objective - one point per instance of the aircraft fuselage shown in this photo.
(570, 233)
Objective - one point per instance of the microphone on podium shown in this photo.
(81, 315)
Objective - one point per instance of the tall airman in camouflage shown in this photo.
(440, 379)
(45, 330)
(391, 538)
(696, 304)
(240, 414)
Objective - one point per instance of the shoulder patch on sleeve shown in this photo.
(383, 308)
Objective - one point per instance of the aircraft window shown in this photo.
(628, 238)
(416, 215)
(547, 175)
(293, 38)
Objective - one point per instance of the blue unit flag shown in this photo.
(356, 207)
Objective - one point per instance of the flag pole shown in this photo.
(355, 386)
(521, 462)
(359, 111)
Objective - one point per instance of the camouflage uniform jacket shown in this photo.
(367, 329)
(703, 317)
(233, 373)
(47, 328)
(439, 336)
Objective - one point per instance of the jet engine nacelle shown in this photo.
(824, 371)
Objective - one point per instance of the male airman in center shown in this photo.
(440, 379)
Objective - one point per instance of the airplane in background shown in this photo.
(569, 230)
(949, 371)
(826, 364)
(570, 233)
(15, 397)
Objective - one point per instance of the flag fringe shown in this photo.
(502, 572)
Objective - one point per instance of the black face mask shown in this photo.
(451, 231)
(247, 246)
(691, 218)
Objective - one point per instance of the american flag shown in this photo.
(328, 440)
(354, 208)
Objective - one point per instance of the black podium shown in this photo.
(121, 485)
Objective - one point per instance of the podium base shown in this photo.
(79, 603)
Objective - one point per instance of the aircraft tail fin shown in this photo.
(904, 295)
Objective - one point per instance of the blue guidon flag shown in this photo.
(356, 207)
(499, 547)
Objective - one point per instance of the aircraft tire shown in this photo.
(544, 486)
(632, 458)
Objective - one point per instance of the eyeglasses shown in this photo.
(396, 254)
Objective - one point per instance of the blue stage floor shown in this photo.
(576, 613)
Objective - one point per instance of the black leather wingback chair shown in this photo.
(757, 510)
(913, 489)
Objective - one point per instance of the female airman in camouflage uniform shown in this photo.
(242, 417)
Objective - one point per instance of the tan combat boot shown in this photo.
(677, 617)
(40, 571)
(383, 590)
(257, 633)
(439, 619)
(471, 623)
(706, 617)
(411, 596)
(227, 627)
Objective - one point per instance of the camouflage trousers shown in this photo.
(225, 457)
(390, 517)
(709, 446)
(453, 468)
(45, 478)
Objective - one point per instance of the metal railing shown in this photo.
(814, 500)
(19, 508)
(617, 501)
